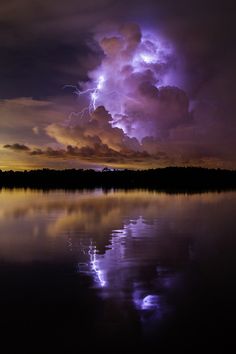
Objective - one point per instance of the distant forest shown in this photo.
(172, 179)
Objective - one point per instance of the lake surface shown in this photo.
(103, 270)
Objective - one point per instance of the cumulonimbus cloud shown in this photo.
(131, 109)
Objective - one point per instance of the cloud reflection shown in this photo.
(133, 245)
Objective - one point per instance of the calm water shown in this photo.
(100, 270)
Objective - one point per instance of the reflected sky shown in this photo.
(135, 246)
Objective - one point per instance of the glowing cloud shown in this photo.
(129, 82)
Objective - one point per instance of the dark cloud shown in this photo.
(17, 147)
(42, 68)
(99, 152)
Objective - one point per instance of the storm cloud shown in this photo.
(179, 110)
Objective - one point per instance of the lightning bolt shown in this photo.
(93, 97)
(107, 84)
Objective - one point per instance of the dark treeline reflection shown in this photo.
(173, 179)
(89, 270)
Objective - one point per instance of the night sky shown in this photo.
(123, 84)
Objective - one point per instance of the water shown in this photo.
(107, 270)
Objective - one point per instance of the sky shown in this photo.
(118, 84)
